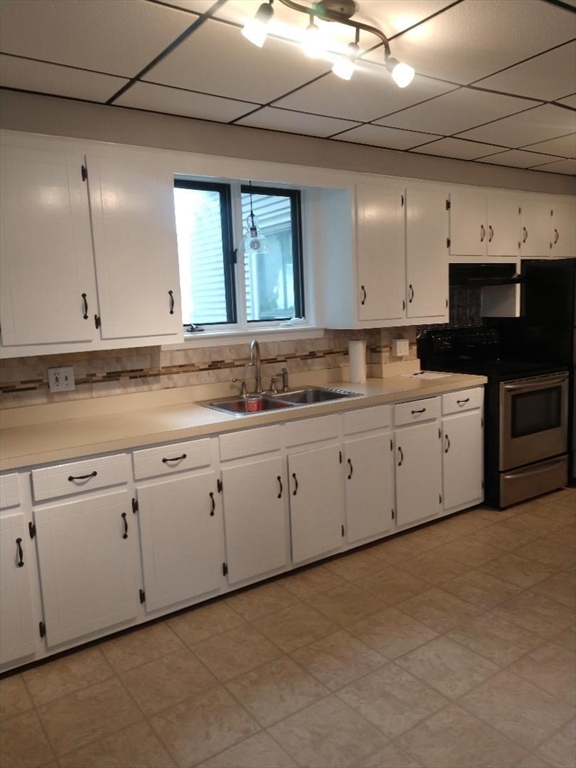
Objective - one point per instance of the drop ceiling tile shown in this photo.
(519, 158)
(55, 79)
(390, 138)
(456, 111)
(395, 16)
(561, 166)
(216, 59)
(478, 38)
(295, 122)
(564, 146)
(118, 38)
(569, 101)
(462, 150)
(175, 101)
(371, 93)
(539, 124)
(547, 77)
(196, 6)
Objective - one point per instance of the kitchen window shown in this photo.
(226, 286)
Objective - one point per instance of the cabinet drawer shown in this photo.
(9, 491)
(250, 442)
(366, 419)
(416, 411)
(80, 476)
(312, 430)
(465, 400)
(169, 459)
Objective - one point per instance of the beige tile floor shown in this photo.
(449, 647)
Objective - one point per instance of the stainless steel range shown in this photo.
(526, 412)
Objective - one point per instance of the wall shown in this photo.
(24, 381)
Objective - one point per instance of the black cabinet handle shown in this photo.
(82, 477)
(85, 300)
(525, 234)
(213, 507)
(461, 402)
(281, 491)
(351, 469)
(411, 296)
(125, 534)
(20, 562)
(420, 411)
(295, 491)
(401, 457)
(171, 294)
(447, 444)
(174, 458)
(482, 233)
(403, 304)
(363, 295)
(556, 236)
(490, 233)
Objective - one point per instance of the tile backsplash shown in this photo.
(24, 381)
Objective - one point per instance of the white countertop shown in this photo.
(69, 438)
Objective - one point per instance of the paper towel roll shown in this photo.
(357, 354)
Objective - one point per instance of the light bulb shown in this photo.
(256, 30)
(313, 42)
(254, 239)
(344, 66)
(402, 74)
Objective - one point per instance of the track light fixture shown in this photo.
(340, 11)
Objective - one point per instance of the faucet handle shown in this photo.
(242, 383)
(273, 387)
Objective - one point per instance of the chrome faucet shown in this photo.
(255, 361)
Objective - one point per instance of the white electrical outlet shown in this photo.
(61, 379)
(400, 347)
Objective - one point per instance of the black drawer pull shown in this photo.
(82, 477)
(85, 300)
(461, 402)
(171, 294)
(420, 411)
(401, 456)
(295, 491)
(20, 562)
(351, 469)
(174, 458)
(125, 534)
(281, 491)
(213, 507)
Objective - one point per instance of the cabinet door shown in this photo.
(316, 502)
(255, 524)
(369, 468)
(418, 473)
(47, 291)
(503, 237)
(380, 252)
(87, 564)
(16, 621)
(132, 204)
(426, 253)
(563, 229)
(468, 223)
(537, 228)
(462, 461)
(181, 538)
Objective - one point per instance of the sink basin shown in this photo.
(309, 395)
(239, 405)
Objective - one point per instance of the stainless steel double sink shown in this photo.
(294, 399)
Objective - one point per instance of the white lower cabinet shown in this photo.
(255, 518)
(17, 634)
(180, 530)
(462, 460)
(418, 473)
(87, 561)
(316, 502)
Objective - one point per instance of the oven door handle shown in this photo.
(542, 383)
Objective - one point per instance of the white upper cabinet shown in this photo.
(563, 237)
(132, 206)
(484, 224)
(536, 233)
(426, 253)
(47, 290)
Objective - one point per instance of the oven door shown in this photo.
(533, 419)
